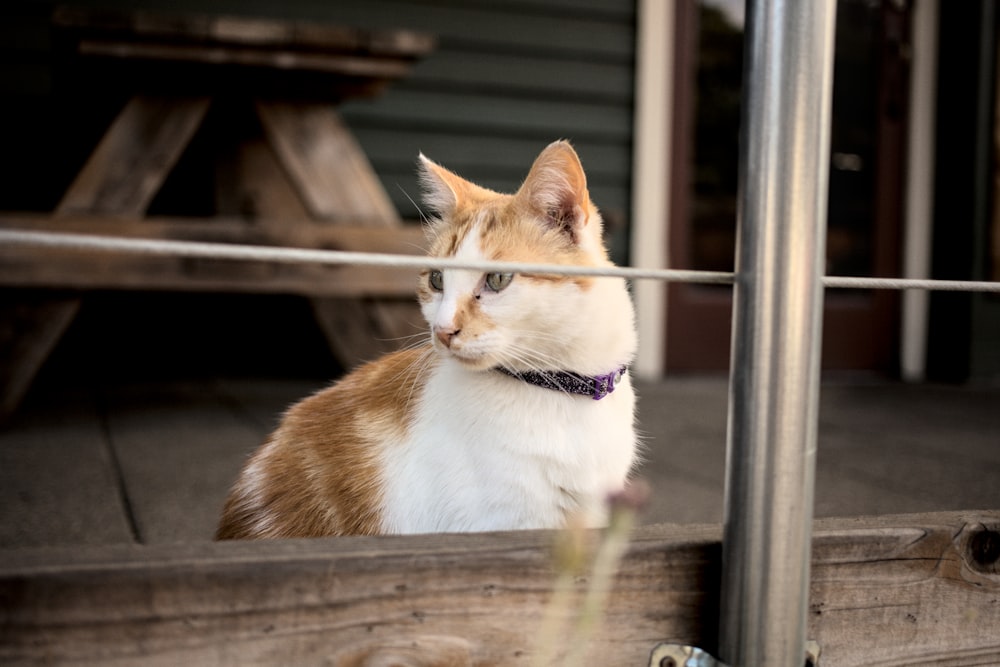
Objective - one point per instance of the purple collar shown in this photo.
(596, 386)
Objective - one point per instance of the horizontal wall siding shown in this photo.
(506, 79)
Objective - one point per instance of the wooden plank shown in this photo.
(46, 268)
(173, 500)
(215, 56)
(229, 55)
(251, 184)
(907, 590)
(58, 484)
(407, 239)
(477, 599)
(241, 31)
(336, 181)
(902, 590)
(605, 35)
(325, 163)
(132, 160)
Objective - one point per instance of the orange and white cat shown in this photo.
(516, 413)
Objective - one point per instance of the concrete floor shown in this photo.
(151, 463)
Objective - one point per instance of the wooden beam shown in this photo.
(72, 270)
(408, 239)
(134, 157)
(241, 31)
(325, 163)
(250, 183)
(335, 180)
(30, 327)
(221, 56)
(76, 270)
(232, 56)
(901, 590)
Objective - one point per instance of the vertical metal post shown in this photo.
(777, 327)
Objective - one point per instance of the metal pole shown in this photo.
(777, 327)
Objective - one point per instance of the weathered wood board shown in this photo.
(325, 163)
(57, 478)
(132, 160)
(897, 590)
(76, 270)
(30, 327)
(336, 182)
(140, 50)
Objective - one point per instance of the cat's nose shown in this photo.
(446, 334)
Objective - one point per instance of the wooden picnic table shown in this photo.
(296, 178)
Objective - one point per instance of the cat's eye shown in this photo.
(498, 281)
(436, 280)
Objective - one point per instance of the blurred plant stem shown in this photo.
(571, 555)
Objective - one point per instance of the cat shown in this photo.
(517, 412)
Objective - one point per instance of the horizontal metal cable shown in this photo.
(912, 283)
(169, 248)
(335, 257)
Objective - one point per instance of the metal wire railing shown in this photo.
(283, 255)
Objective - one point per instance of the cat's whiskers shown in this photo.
(538, 359)
(539, 369)
(413, 341)
(418, 369)
(527, 343)
(565, 351)
(539, 366)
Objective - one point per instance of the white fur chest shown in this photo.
(489, 452)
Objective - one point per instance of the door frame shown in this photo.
(861, 328)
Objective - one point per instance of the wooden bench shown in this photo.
(296, 177)
(902, 590)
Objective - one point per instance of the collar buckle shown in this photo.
(605, 384)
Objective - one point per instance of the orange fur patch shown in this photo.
(319, 474)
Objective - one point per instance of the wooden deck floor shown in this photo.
(151, 463)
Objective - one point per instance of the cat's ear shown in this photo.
(556, 190)
(443, 190)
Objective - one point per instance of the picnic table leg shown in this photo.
(121, 177)
(337, 184)
(30, 327)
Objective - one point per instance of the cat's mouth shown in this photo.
(471, 359)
